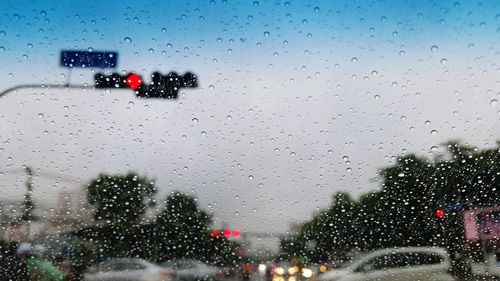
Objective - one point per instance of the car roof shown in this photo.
(136, 260)
(437, 250)
(368, 255)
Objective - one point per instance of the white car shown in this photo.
(128, 269)
(404, 264)
(189, 270)
(490, 266)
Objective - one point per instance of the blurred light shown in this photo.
(307, 273)
(292, 270)
(440, 213)
(278, 278)
(215, 233)
(227, 232)
(236, 233)
(262, 268)
(292, 278)
(133, 81)
(323, 268)
(280, 270)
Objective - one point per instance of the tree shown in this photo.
(183, 230)
(402, 211)
(120, 199)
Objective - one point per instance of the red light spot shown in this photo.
(440, 213)
(215, 233)
(236, 233)
(133, 81)
(227, 232)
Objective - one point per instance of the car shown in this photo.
(191, 269)
(489, 267)
(124, 269)
(412, 263)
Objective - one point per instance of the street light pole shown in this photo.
(44, 86)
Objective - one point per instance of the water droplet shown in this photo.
(131, 103)
(434, 132)
(211, 87)
(354, 60)
(127, 40)
(434, 48)
(40, 115)
(493, 102)
(203, 133)
(267, 34)
(401, 175)
(195, 120)
(151, 51)
(427, 123)
(444, 61)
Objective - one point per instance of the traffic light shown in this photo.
(226, 233)
(440, 213)
(161, 86)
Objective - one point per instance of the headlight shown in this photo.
(280, 270)
(307, 273)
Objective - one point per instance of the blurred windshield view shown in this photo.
(266, 140)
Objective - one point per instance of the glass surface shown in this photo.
(266, 139)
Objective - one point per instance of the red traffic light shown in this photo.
(133, 81)
(440, 213)
(226, 232)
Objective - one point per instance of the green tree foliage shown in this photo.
(402, 211)
(181, 229)
(120, 199)
(185, 232)
(120, 202)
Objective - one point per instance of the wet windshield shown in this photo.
(248, 140)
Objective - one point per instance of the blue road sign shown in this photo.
(453, 207)
(95, 59)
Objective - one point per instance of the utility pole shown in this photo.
(28, 201)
